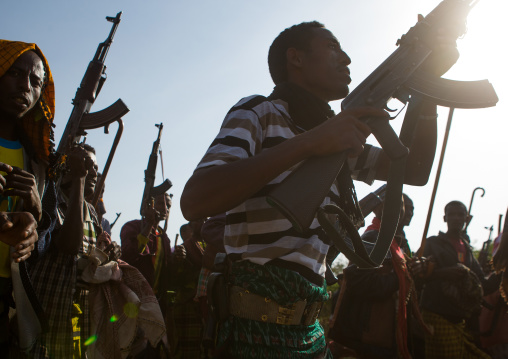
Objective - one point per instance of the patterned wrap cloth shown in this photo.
(244, 338)
(120, 313)
(450, 340)
(38, 123)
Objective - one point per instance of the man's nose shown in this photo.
(345, 59)
(93, 172)
(24, 83)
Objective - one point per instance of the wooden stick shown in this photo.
(419, 253)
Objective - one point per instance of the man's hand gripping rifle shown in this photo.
(403, 76)
(150, 192)
(81, 119)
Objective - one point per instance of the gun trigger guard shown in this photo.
(398, 113)
(388, 109)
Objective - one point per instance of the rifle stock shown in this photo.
(397, 77)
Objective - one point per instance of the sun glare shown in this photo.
(483, 47)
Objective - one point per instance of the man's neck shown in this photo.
(155, 226)
(313, 92)
(7, 128)
(454, 234)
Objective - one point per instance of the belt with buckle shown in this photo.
(244, 304)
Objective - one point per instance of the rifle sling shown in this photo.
(359, 255)
(32, 296)
(391, 212)
(395, 184)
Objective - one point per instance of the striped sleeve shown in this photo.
(363, 167)
(240, 137)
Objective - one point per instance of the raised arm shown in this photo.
(70, 236)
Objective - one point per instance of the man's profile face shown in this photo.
(409, 209)
(91, 176)
(325, 67)
(455, 217)
(21, 85)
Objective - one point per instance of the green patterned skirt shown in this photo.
(244, 338)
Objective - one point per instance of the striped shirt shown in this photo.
(255, 231)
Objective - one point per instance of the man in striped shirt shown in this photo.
(261, 141)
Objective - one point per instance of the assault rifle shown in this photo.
(81, 119)
(372, 200)
(400, 76)
(116, 219)
(483, 256)
(150, 191)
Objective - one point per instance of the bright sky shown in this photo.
(185, 63)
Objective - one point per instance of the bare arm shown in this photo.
(217, 189)
(70, 236)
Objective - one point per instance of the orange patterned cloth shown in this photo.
(38, 123)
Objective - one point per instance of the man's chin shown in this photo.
(89, 195)
(14, 114)
(339, 95)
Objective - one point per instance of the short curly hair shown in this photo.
(88, 148)
(297, 36)
(455, 203)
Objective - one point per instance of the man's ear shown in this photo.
(294, 57)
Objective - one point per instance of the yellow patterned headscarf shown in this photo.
(38, 123)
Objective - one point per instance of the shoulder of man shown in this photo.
(430, 244)
(248, 103)
(260, 105)
(133, 225)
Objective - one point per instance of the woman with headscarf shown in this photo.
(27, 106)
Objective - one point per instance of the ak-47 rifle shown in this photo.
(400, 76)
(116, 219)
(372, 200)
(81, 119)
(483, 256)
(150, 190)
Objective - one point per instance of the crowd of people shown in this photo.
(244, 283)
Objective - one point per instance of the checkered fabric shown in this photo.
(54, 280)
(37, 124)
(57, 284)
(450, 340)
(202, 283)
